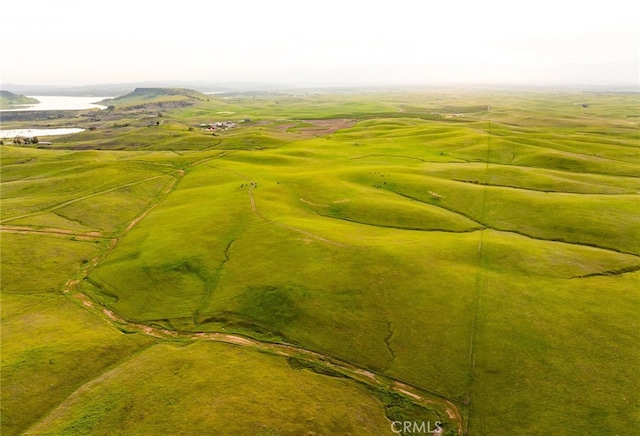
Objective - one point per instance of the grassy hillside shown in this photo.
(230, 391)
(146, 95)
(9, 99)
(331, 264)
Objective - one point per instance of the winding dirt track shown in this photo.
(84, 197)
(286, 226)
(23, 230)
(71, 290)
(349, 370)
(252, 185)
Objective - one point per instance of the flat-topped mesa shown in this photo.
(163, 92)
(158, 98)
(168, 91)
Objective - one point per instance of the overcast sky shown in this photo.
(328, 42)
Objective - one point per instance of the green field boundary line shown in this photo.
(68, 218)
(84, 197)
(389, 226)
(286, 226)
(517, 232)
(563, 171)
(179, 174)
(563, 241)
(211, 146)
(520, 130)
(108, 251)
(165, 192)
(438, 206)
(612, 272)
(220, 155)
(62, 233)
(392, 156)
(34, 178)
(574, 153)
(479, 303)
(254, 208)
(360, 116)
(520, 188)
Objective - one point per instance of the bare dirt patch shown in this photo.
(313, 204)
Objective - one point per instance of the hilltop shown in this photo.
(158, 95)
(8, 99)
(160, 98)
(150, 102)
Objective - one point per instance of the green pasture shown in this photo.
(569, 362)
(215, 388)
(77, 190)
(50, 346)
(42, 263)
(480, 246)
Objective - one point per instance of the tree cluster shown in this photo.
(25, 140)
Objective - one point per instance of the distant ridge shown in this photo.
(115, 89)
(162, 92)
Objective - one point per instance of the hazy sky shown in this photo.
(320, 42)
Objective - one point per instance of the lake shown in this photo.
(59, 103)
(30, 133)
(52, 103)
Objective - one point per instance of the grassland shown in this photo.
(8, 99)
(337, 262)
